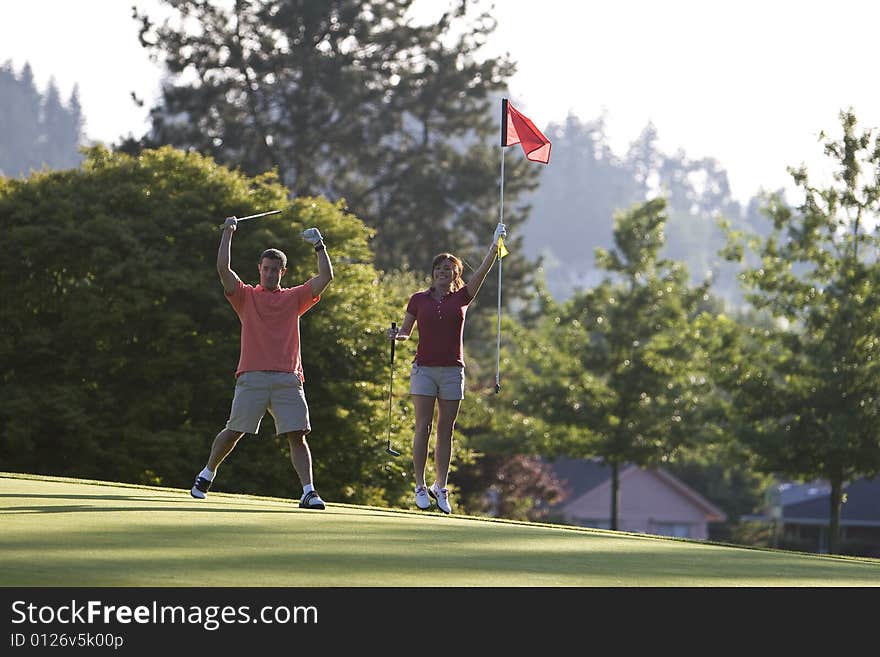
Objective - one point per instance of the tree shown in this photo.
(36, 130)
(808, 391)
(19, 121)
(62, 128)
(499, 468)
(350, 100)
(589, 181)
(516, 487)
(642, 348)
(617, 371)
(577, 195)
(119, 349)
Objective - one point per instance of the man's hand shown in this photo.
(231, 222)
(312, 236)
(500, 231)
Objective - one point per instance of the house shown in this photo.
(650, 501)
(800, 516)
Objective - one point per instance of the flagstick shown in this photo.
(498, 347)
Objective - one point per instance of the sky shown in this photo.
(750, 83)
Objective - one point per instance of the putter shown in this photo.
(254, 216)
(388, 448)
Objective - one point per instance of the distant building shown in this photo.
(650, 501)
(800, 516)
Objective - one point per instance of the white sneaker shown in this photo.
(441, 496)
(422, 499)
(311, 500)
(200, 488)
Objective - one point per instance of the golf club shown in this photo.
(254, 216)
(388, 449)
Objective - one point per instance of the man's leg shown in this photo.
(301, 457)
(223, 444)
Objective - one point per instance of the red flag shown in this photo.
(519, 129)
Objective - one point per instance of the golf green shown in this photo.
(75, 533)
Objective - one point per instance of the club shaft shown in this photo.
(262, 214)
(254, 216)
(391, 389)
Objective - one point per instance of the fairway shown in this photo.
(73, 533)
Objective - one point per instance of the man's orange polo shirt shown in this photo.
(270, 326)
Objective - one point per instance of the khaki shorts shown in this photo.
(280, 393)
(439, 382)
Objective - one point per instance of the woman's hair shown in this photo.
(457, 283)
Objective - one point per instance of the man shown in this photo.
(269, 376)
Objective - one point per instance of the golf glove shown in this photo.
(312, 235)
(500, 231)
(230, 222)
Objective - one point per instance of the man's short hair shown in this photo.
(275, 254)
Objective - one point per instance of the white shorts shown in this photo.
(439, 382)
(280, 393)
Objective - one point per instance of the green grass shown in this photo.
(59, 532)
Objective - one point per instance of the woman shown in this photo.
(438, 367)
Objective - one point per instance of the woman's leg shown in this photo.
(446, 416)
(424, 408)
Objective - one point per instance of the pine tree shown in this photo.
(20, 128)
(36, 130)
(62, 128)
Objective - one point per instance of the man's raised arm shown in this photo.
(228, 277)
(320, 282)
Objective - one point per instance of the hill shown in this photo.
(67, 532)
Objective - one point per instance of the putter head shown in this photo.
(391, 451)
